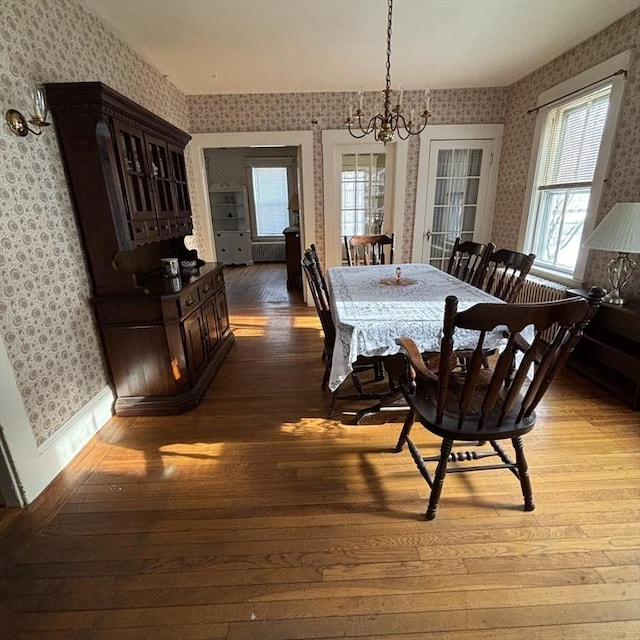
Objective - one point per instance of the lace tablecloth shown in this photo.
(370, 315)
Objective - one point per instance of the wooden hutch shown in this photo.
(163, 338)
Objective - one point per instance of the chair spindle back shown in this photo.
(365, 250)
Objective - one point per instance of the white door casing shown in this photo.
(301, 139)
(434, 139)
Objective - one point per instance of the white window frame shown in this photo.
(270, 162)
(575, 84)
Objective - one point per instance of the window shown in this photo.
(575, 139)
(362, 187)
(567, 163)
(270, 184)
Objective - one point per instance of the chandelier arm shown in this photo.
(398, 125)
(371, 126)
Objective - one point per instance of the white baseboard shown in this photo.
(36, 466)
(55, 454)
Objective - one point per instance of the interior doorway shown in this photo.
(301, 140)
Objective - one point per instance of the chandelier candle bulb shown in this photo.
(427, 100)
(360, 101)
(39, 103)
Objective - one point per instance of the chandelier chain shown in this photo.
(387, 93)
(391, 121)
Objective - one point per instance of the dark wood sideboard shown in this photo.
(163, 338)
(609, 351)
(293, 255)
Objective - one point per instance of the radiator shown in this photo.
(537, 289)
(268, 251)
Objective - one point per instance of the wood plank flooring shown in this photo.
(255, 516)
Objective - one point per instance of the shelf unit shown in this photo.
(609, 351)
(230, 219)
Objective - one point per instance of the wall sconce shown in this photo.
(18, 123)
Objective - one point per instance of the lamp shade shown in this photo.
(619, 230)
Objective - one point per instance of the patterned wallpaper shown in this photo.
(45, 318)
(623, 184)
(318, 111)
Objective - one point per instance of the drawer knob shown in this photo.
(190, 301)
(207, 288)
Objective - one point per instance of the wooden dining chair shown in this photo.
(469, 260)
(505, 274)
(313, 253)
(363, 250)
(488, 405)
(321, 300)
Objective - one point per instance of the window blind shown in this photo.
(572, 140)
(271, 195)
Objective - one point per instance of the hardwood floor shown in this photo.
(255, 516)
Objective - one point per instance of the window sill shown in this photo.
(554, 276)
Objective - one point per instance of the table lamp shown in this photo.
(294, 210)
(619, 231)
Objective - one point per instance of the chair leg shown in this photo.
(356, 383)
(325, 377)
(438, 479)
(404, 434)
(523, 474)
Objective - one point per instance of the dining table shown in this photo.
(375, 304)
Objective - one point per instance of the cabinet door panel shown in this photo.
(179, 176)
(133, 163)
(161, 178)
(210, 320)
(194, 333)
(222, 313)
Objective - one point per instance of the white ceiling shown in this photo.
(280, 46)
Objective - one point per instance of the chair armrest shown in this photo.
(415, 359)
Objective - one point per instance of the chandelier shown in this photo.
(385, 125)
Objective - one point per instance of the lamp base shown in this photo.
(620, 270)
(613, 297)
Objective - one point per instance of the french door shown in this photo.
(455, 195)
(364, 190)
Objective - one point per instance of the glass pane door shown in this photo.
(456, 196)
(362, 180)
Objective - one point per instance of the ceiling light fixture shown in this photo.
(385, 125)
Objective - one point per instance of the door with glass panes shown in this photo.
(457, 190)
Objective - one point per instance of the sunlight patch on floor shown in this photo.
(249, 326)
(311, 426)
